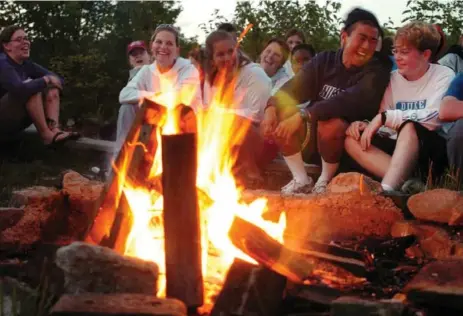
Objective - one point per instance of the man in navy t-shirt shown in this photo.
(451, 110)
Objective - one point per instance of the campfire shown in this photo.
(187, 198)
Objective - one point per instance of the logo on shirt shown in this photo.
(328, 92)
(410, 105)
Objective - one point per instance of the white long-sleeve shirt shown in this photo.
(417, 100)
(179, 85)
(279, 79)
(252, 91)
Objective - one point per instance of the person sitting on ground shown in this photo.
(170, 80)
(409, 111)
(451, 110)
(453, 58)
(249, 88)
(138, 57)
(301, 55)
(229, 28)
(29, 93)
(343, 86)
(293, 38)
(386, 50)
(272, 59)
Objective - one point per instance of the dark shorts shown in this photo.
(13, 116)
(432, 149)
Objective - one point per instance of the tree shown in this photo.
(448, 14)
(275, 18)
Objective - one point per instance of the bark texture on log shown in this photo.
(96, 269)
(182, 230)
(250, 290)
(117, 305)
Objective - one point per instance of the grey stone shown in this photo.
(96, 269)
(354, 306)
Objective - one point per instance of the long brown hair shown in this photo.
(213, 38)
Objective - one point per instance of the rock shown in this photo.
(439, 283)
(440, 205)
(45, 196)
(117, 304)
(9, 216)
(83, 196)
(353, 181)
(353, 306)
(340, 216)
(96, 269)
(434, 241)
(29, 229)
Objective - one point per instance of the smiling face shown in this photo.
(272, 58)
(138, 57)
(223, 55)
(165, 49)
(412, 64)
(19, 46)
(360, 45)
(299, 59)
(294, 40)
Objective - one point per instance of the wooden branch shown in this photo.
(250, 290)
(257, 244)
(182, 233)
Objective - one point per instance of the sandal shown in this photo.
(55, 141)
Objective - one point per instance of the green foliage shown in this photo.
(448, 14)
(275, 18)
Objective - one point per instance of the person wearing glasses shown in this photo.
(404, 134)
(29, 93)
(169, 80)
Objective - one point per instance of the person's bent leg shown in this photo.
(292, 153)
(52, 102)
(455, 150)
(404, 158)
(373, 160)
(36, 111)
(330, 137)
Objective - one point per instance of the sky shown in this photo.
(196, 12)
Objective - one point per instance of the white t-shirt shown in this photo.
(252, 91)
(179, 85)
(417, 100)
(279, 79)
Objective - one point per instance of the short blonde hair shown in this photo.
(420, 35)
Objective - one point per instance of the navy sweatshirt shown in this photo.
(335, 91)
(13, 75)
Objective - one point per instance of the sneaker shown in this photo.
(320, 187)
(295, 187)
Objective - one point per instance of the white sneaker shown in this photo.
(295, 187)
(320, 187)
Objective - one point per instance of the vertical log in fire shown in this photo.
(182, 234)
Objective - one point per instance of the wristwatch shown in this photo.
(304, 115)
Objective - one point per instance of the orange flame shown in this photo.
(219, 199)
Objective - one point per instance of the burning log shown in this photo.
(104, 215)
(250, 290)
(181, 219)
(257, 244)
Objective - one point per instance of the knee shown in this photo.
(332, 129)
(52, 95)
(407, 135)
(352, 146)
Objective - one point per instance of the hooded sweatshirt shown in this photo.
(417, 100)
(178, 85)
(353, 94)
(252, 91)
